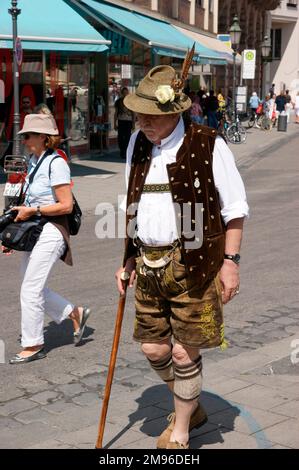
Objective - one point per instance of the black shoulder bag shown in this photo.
(22, 236)
(74, 218)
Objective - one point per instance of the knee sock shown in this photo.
(164, 367)
(188, 380)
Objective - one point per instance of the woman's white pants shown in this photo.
(36, 298)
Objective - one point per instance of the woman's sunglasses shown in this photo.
(27, 136)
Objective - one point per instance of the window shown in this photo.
(292, 3)
(198, 3)
(276, 43)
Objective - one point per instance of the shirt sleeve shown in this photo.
(229, 183)
(60, 172)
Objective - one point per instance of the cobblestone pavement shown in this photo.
(251, 390)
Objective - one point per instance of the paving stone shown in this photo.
(124, 373)
(27, 435)
(142, 443)
(258, 396)
(70, 390)
(152, 377)
(77, 417)
(8, 393)
(276, 334)
(31, 416)
(141, 364)
(249, 420)
(61, 407)
(45, 397)
(290, 409)
(87, 399)
(271, 314)
(8, 423)
(285, 433)
(92, 369)
(134, 382)
(94, 381)
(31, 383)
(52, 444)
(16, 406)
(286, 321)
(61, 379)
(228, 386)
(292, 329)
(223, 439)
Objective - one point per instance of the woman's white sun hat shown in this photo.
(39, 123)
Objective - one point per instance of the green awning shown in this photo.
(49, 25)
(162, 37)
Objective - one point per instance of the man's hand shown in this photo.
(130, 268)
(24, 213)
(230, 280)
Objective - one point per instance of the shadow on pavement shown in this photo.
(160, 397)
(62, 335)
(83, 170)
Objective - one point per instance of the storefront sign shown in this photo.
(241, 98)
(126, 71)
(19, 52)
(248, 63)
(225, 38)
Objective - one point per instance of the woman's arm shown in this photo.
(64, 205)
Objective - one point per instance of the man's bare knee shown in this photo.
(156, 351)
(182, 354)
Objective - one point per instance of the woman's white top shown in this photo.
(40, 192)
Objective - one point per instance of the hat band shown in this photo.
(147, 97)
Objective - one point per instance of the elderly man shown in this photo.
(185, 245)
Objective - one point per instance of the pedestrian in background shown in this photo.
(124, 122)
(280, 103)
(212, 106)
(289, 104)
(253, 103)
(196, 112)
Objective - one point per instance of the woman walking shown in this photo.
(48, 195)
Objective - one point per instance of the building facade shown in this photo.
(283, 28)
(252, 16)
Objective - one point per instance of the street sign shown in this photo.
(19, 52)
(248, 63)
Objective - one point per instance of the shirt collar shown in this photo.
(175, 136)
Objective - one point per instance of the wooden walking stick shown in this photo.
(125, 276)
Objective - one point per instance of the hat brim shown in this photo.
(141, 105)
(39, 131)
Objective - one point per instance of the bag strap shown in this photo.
(54, 158)
(40, 161)
(32, 175)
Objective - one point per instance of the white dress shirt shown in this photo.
(156, 219)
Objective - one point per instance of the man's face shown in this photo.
(157, 128)
(26, 104)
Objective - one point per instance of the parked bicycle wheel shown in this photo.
(236, 134)
(251, 122)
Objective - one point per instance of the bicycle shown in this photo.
(235, 132)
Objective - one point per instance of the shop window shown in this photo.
(67, 96)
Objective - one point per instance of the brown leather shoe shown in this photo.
(198, 418)
(177, 445)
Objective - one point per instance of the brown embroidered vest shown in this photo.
(191, 181)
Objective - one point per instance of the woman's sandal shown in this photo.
(79, 333)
